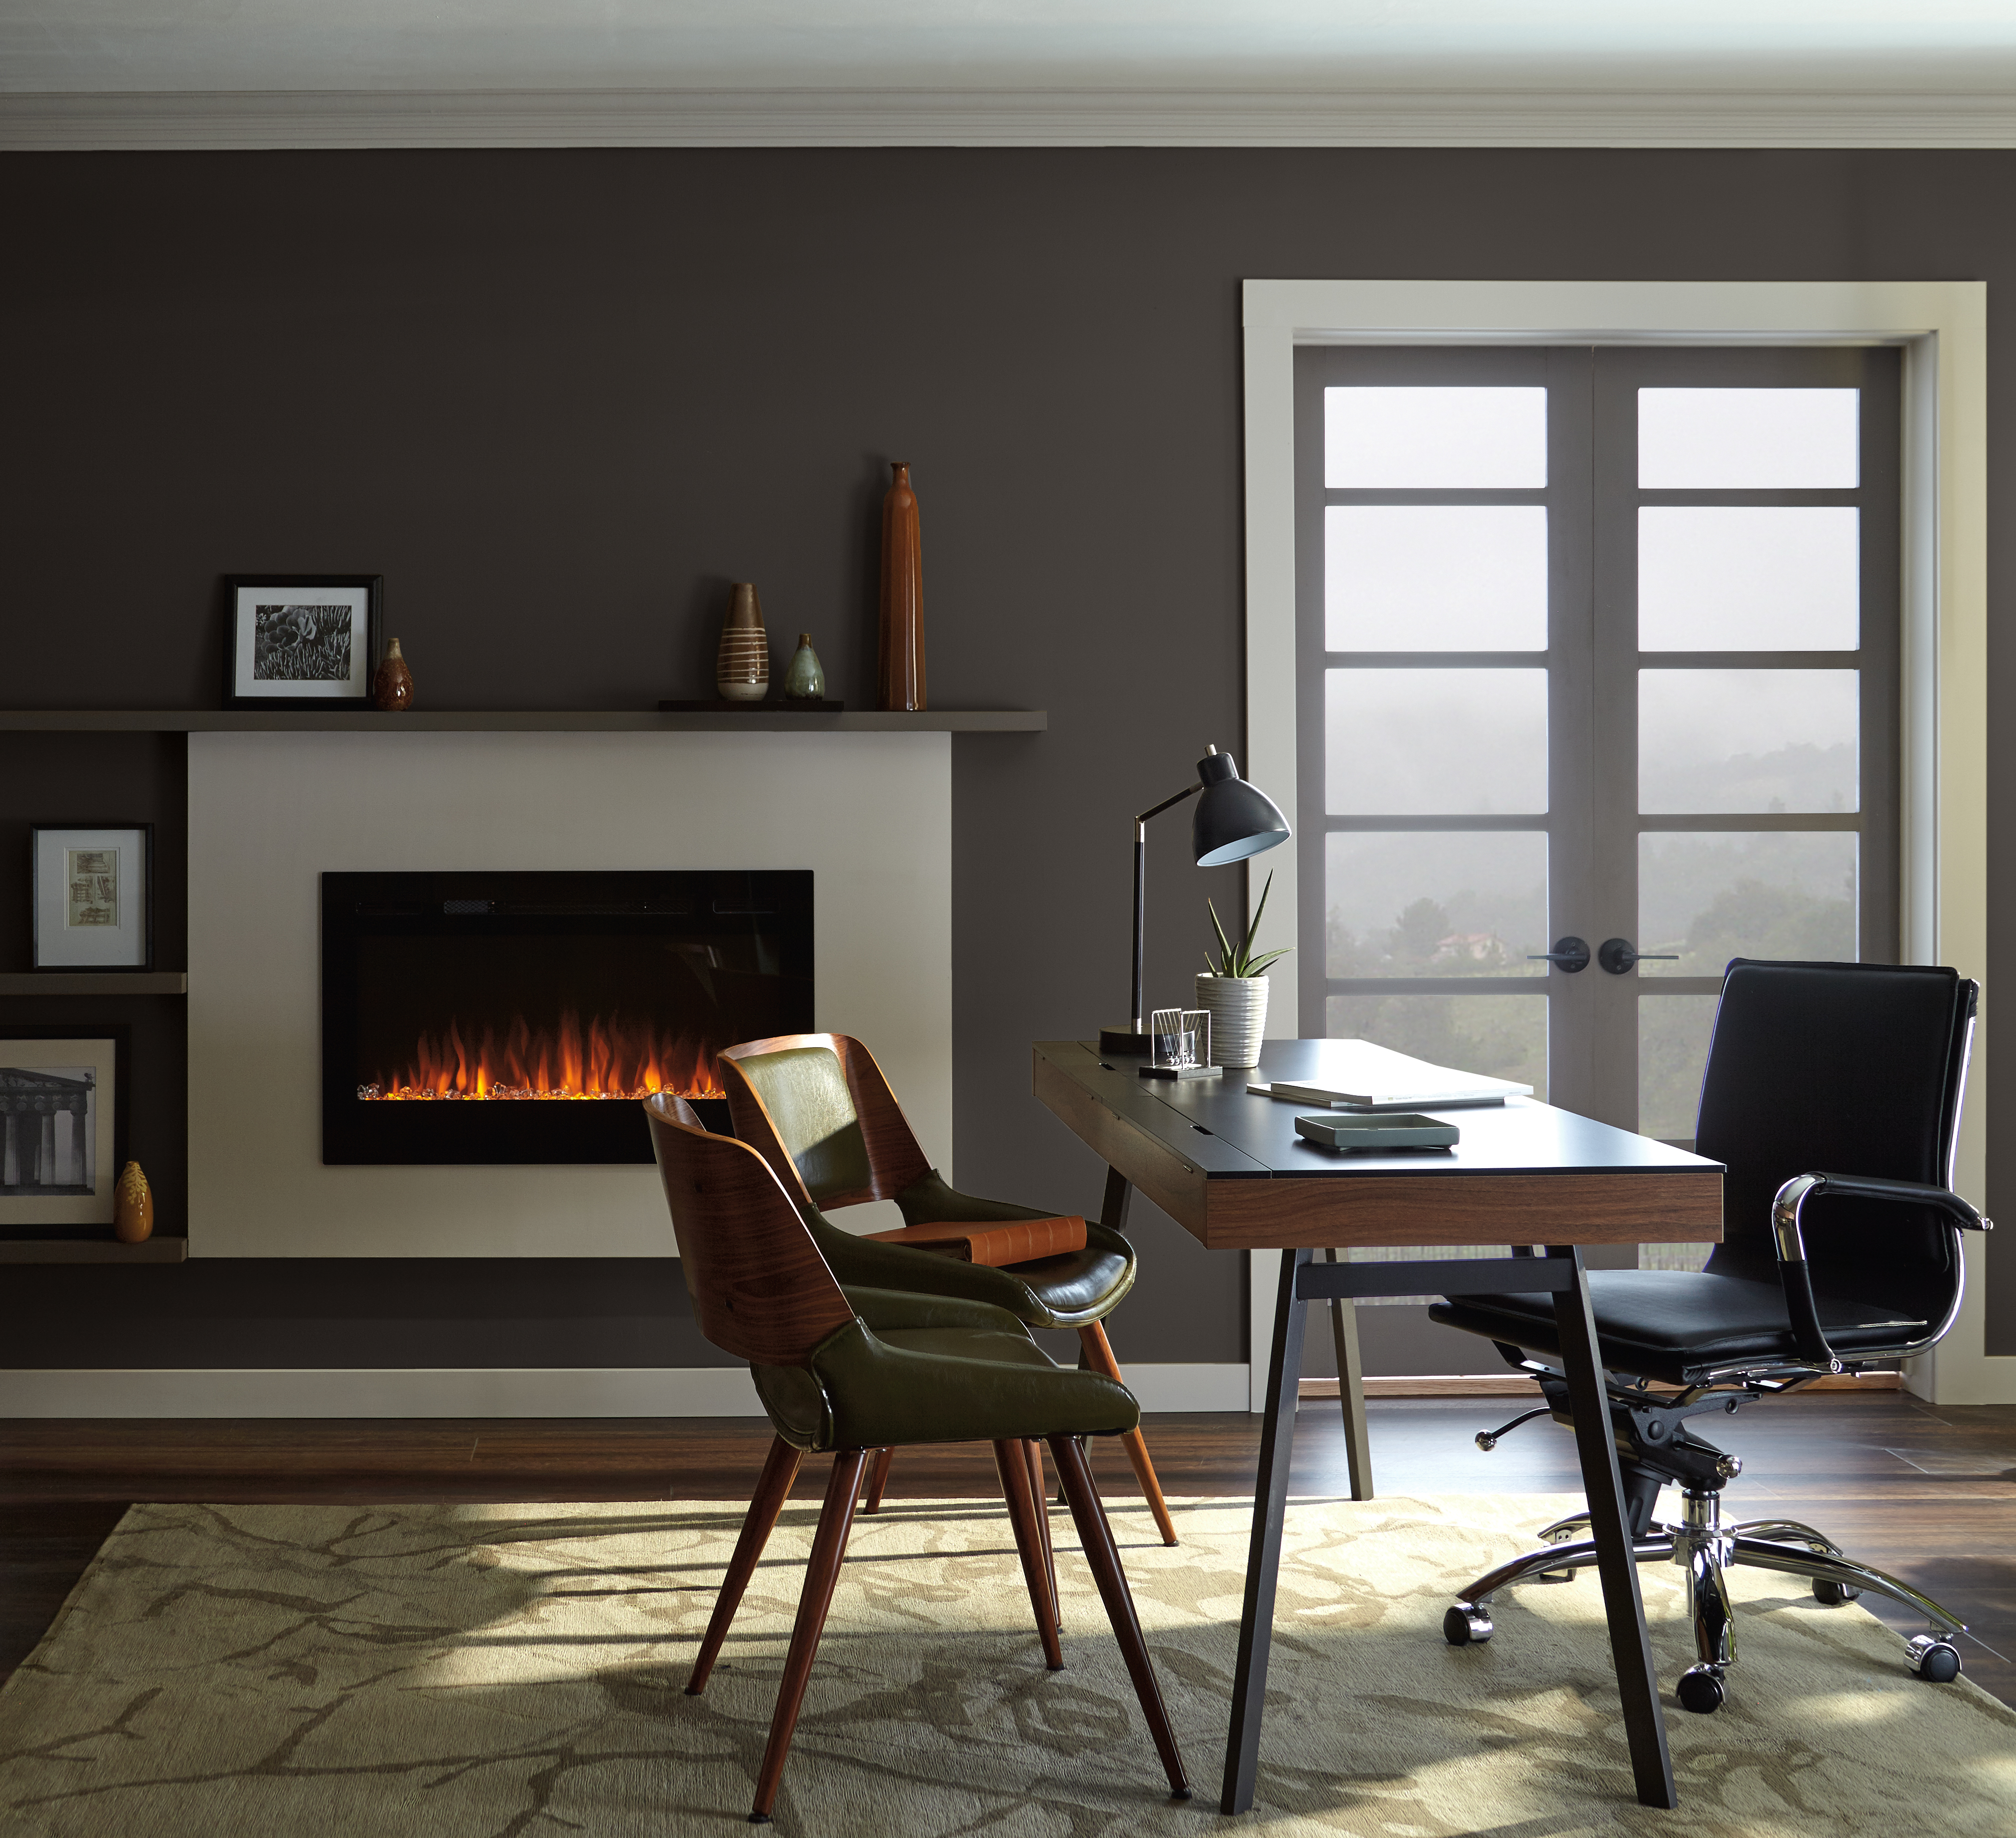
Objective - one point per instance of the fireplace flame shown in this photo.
(612, 1057)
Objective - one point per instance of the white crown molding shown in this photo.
(251, 119)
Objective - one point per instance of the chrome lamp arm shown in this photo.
(1788, 1205)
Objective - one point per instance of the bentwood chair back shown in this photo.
(858, 1370)
(819, 1111)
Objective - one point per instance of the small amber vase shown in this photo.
(741, 664)
(392, 688)
(133, 1207)
(900, 676)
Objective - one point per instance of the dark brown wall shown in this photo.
(559, 399)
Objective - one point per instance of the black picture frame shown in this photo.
(33, 1215)
(37, 890)
(365, 595)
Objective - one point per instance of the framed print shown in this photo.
(94, 896)
(62, 1104)
(301, 641)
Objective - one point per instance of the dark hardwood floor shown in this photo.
(1926, 1492)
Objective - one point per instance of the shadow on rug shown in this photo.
(485, 1671)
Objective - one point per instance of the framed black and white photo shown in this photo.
(94, 896)
(63, 1100)
(301, 641)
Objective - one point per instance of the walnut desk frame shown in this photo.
(1231, 1170)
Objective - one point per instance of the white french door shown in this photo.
(1596, 645)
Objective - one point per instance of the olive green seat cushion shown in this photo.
(918, 1368)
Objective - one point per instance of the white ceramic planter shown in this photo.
(1238, 1005)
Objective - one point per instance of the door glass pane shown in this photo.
(1673, 1034)
(1711, 897)
(1435, 578)
(1748, 439)
(1435, 903)
(1750, 577)
(1746, 740)
(1503, 1036)
(1418, 438)
(1673, 1049)
(1457, 743)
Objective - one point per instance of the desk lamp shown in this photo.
(1233, 819)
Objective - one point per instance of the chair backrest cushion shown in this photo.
(761, 1289)
(804, 1090)
(1843, 1069)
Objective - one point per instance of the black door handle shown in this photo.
(1618, 955)
(1570, 953)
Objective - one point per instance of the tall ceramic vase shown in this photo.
(1238, 1005)
(900, 673)
(742, 665)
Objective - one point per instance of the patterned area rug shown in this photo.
(485, 1671)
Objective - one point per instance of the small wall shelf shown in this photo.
(161, 1250)
(93, 982)
(359, 721)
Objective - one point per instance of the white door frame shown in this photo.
(1942, 328)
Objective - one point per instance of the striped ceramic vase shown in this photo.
(742, 665)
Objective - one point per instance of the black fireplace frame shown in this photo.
(674, 902)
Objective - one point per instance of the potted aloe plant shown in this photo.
(1236, 991)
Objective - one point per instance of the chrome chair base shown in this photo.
(1706, 1548)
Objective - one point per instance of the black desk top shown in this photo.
(1255, 1136)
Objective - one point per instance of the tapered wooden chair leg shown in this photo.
(1012, 1462)
(1099, 1356)
(1096, 1537)
(878, 1479)
(829, 1547)
(1033, 1449)
(773, 1488)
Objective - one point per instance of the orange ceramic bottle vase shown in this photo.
(900, 673)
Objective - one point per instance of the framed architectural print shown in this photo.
(63, 1102)
(94, 896)
(301, 641)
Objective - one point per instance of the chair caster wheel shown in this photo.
(1934, 1660)
(1701, 1689)
(1834, 1594)
(1467, 1625)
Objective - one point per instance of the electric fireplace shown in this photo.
(519, 1018)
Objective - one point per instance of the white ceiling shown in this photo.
(432, 44)
(1862, 55)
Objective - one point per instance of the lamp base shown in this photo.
(1123, 1039)
(1181, 1072)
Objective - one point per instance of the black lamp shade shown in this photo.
(1233, 819)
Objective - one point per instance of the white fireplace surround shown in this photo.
(870, 814)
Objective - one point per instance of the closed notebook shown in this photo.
(1013, 1241)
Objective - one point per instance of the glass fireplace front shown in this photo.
(518, 1017)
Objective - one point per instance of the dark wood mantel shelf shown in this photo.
(361, 721)
(157, 1250)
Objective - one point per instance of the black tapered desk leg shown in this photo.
(1113, 1207)
(1623, 1607)
(1263, 1556)
(1351, 1389)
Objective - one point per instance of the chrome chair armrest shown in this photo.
(1787, 1206)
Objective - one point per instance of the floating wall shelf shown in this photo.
(93, 982)
(357, 721)
(161, 1250)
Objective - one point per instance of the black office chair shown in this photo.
(1833, 1096)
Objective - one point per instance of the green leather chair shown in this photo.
(818, 1108)
(864, 1369)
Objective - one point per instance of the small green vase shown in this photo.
(805, 680)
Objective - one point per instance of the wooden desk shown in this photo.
(1230, 1168)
